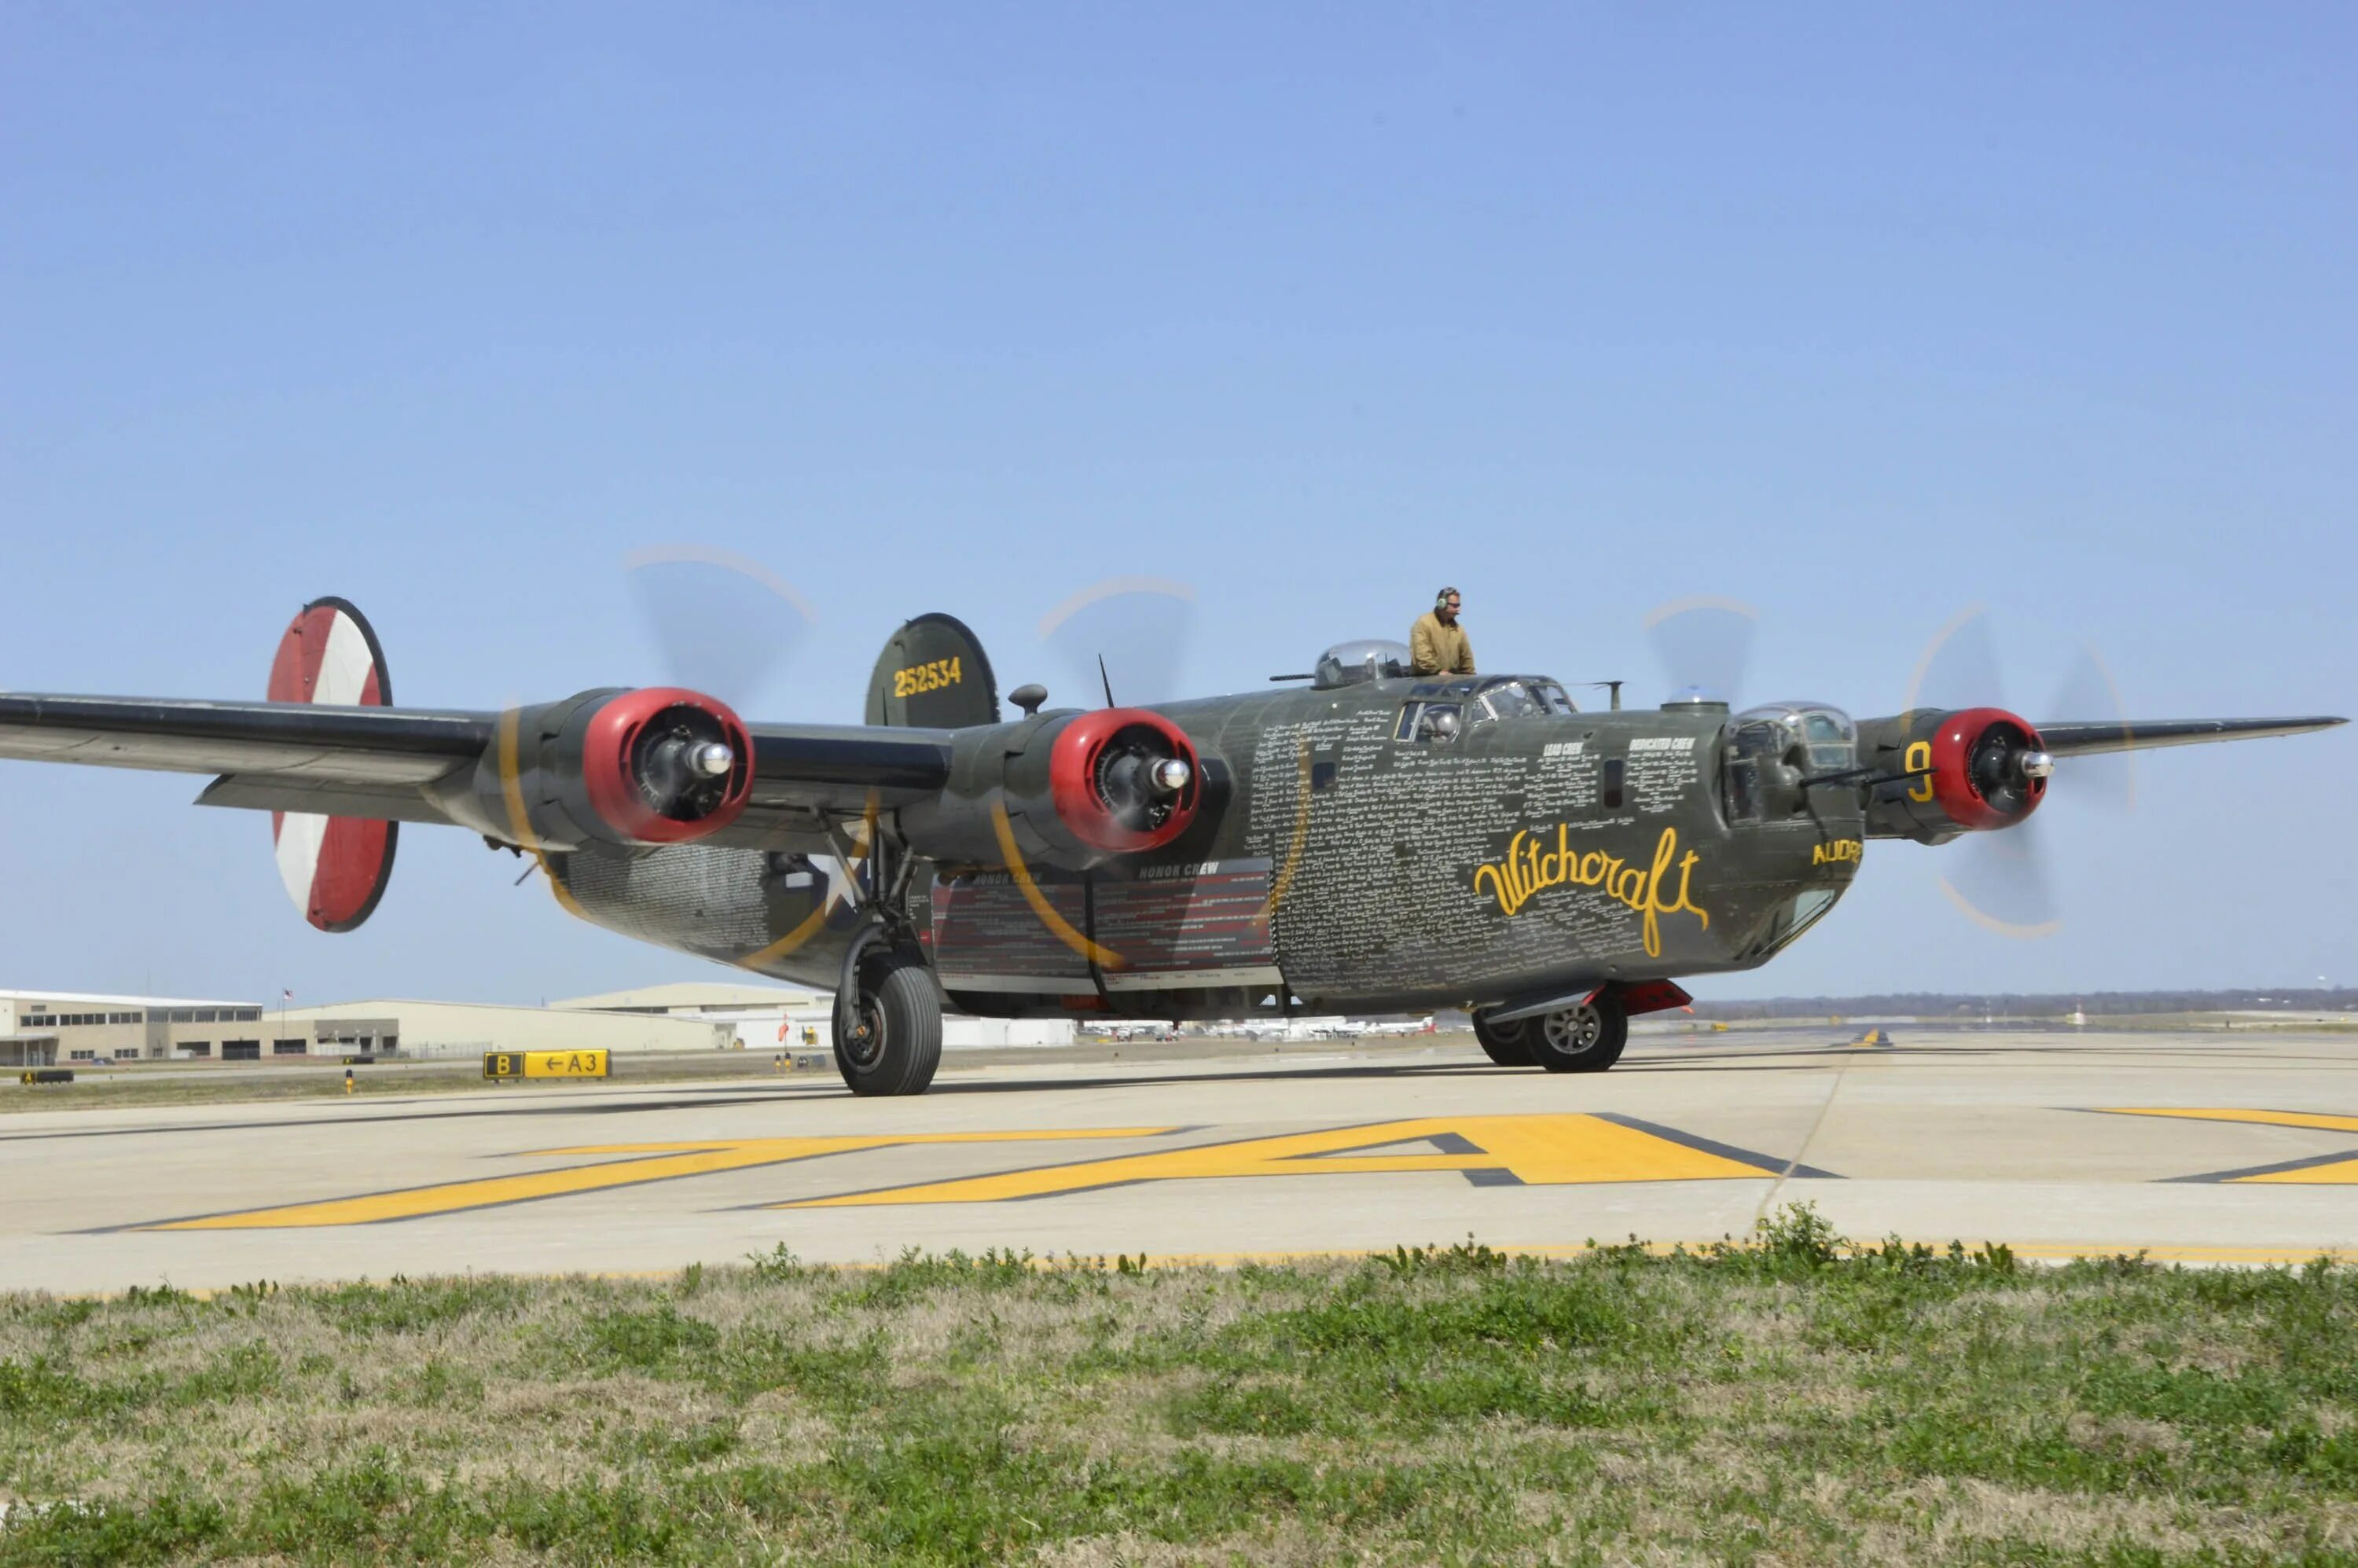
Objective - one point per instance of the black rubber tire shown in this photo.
(903, 1011)
(1509, 1045)
(1563, 1041)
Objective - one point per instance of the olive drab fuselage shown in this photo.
(1388, 843)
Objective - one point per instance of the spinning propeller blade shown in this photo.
(1705, 643)
(1958, 668)
(1140, 626)
(2000, 880)
(2106, 779)
(721, 624)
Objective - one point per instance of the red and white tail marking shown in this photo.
(335, 867)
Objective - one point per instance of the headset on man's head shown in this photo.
(1440, 600)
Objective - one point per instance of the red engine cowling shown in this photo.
(664, 765)
(1123, 780)
(1971, 771)
(655, 765)
(1067, 790)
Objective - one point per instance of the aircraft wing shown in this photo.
(384, 746)
(837, 767)
(384, 762)
(2065, 738)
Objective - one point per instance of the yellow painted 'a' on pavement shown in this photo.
(1538, 1151)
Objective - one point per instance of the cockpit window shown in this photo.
(1834, 742)
(1761, 740)
(1788, 920)
(1428, 721)
(1773, 751)
(1478, 699)
(1810, 736)
(1750, 747)
(1520, 696)
(1511, 700)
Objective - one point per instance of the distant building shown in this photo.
(51, 1029)
(64, 1029)
(427, 1029)
(42, 1028)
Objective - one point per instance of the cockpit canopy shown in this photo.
(1438, 709)
(1774, 749)
(1498, 697)
(1361, 659)
(1809, 737)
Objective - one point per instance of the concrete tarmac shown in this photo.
(2232, 1148)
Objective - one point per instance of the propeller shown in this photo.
(1704, 644)
(721, 624)
(1999, 879)
(1125, 635)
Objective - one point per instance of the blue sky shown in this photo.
(1858, 317)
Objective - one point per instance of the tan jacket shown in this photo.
(1437, 650)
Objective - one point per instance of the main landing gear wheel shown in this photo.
(889, 1040)
(1584, 1039)
(1509, 1045)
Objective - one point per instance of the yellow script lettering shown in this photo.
(1524, 870)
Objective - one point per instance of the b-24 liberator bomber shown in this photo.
(1361, 840)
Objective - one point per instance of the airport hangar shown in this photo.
(43, 1029)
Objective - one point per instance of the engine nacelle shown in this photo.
(1122, 781)
(1067, 790)
(1970, 770)
(654, 765)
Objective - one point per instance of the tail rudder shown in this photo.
(334, 868)
(933, 674)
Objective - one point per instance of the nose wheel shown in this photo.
(888, 1036)
(1509, 1045)
(1584, 1039)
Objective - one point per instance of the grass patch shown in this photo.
(1798, 1399)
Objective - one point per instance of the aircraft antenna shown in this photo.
(1107, 679)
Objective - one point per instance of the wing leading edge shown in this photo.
(2067, 738)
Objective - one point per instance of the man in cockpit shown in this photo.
(1437, 646)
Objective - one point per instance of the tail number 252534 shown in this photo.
(926, 678)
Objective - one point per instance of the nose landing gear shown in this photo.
(1586, 1037)
(1509, 1045)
